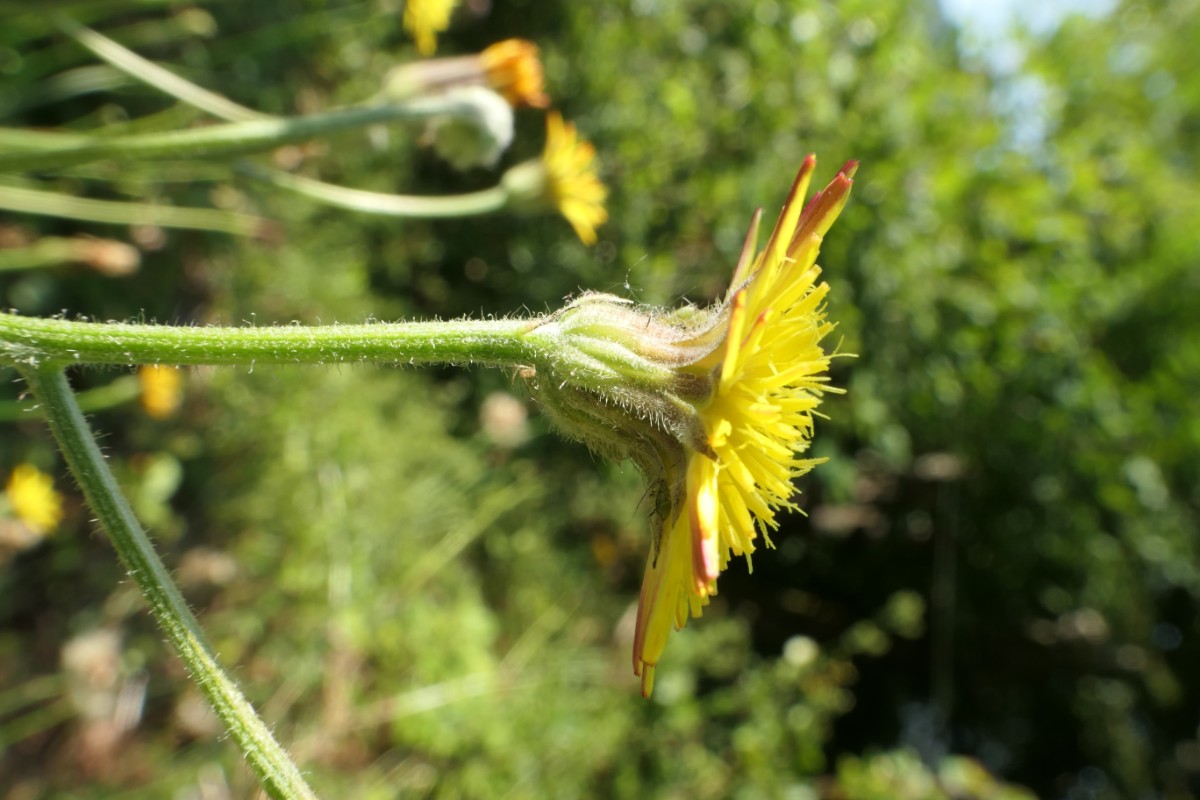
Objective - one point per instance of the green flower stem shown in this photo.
(28, 341)
(234, 138)
(394, 205)
(114, 212)
(279, 776)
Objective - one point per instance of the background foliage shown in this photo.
(428, 595)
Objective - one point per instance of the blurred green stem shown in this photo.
(35, 721)
(20, 139)
(279, 776)
(49, 251)
(30, 341)
(234, 138)
(393, 205)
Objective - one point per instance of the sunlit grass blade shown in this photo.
(62, 86)
(114, 212)
(153, 75)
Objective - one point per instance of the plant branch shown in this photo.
(30, 341)
(279, 776)
(233, 138)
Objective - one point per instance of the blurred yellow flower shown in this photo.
(563, 179)
(571, 182)
(510, 68)
(514, 70)
(32, 498)
(425, 19)
(162, 390)
(769, 374)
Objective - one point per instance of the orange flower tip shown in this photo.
(514, 70)
(823, 210)
(849, 168)
(803, 175)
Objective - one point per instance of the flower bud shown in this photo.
(477, 138)
(622, 379)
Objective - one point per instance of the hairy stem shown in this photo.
(279, 776)
(28, 341)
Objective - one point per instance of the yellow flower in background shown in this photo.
(563, 179)
(425, 19)
(162, 390)
(769, 375)
(571, 182)
(32, 498)
(514, 70)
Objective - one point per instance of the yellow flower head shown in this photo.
(563, 179)
(768, 376)
(571, 182)
(32, 497)
(713, 405)
(425, 19)
(515, 72)
(162, 390)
